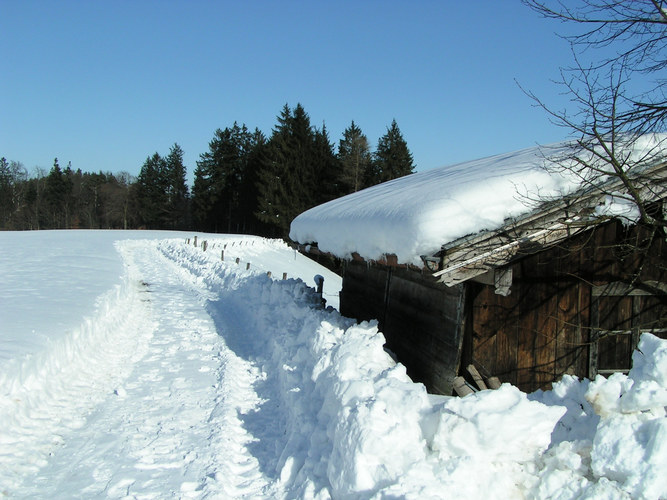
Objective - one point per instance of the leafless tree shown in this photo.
(616, 88)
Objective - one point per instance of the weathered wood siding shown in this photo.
(561, 317)
(551, 324)
(421, 320)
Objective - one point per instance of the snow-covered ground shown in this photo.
(135, 365)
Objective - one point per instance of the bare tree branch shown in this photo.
(603, 118)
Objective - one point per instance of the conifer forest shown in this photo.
(246, 182)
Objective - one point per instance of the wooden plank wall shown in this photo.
(420, 319)
(532, 336)
(542, 330)
(529, 338)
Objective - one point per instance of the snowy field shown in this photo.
(134, 365)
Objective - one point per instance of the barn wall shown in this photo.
(420, 319)
(546, 326)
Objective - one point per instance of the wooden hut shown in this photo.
(573, 307)
(556, 291)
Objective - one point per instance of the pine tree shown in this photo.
(177, 189)
(328, 185)
(90, 199)
(287, 180)
(6, 193)
(57, 193)
(204, 189)
(13, 190)
(355, 157)
(272, 177)
(68, 200)
(249, 192)
(219, 177)
(152, 192)
(392, 158)
(37, 216)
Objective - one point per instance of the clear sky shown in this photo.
(104, 84)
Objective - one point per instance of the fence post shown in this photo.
(222, 255)
(195, 241)
(319, 281)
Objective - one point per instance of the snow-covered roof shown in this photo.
(417, 214)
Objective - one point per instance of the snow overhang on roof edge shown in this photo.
(475, 255)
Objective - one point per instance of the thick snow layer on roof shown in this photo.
(415, 215)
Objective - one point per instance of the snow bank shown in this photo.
(613, 438)
(416, 214)
(501, 425)
(355, 426)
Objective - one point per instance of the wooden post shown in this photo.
(476, 377)
(195, 241)
(204, 244)
(461, 388)
(319, 281)
(284, 276)
(238, 260)
(222, 255)
(247, 266)
(268, 274)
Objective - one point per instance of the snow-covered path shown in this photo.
(186, 390)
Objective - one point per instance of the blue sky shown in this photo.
(105, 84)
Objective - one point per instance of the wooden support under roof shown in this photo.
(500, 278)
(460, 265)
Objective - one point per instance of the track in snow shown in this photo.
(189, 388)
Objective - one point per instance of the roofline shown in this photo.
(552, 222)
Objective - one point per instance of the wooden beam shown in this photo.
(500, 279)
(493, 382)
(465, 265)
(461, 387)
(476, 377)
(503, 281)
(620, 289)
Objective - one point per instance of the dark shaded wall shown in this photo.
(420, 319)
